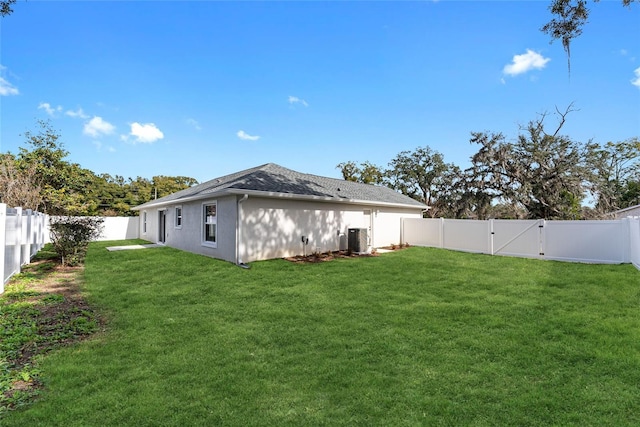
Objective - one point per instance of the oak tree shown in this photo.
(544, 172)
(569, 18)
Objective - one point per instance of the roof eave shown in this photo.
(277, 195)
(291, 196)
(630, 208)
(199, 196)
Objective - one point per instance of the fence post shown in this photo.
(40, 231)
(441, 233)
(542, 228)
(43, 226)
(18, 249)
(3, 227)
(491, 234)
(26, 236)
(625, 223)
(33, 238)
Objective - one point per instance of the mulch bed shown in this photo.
(330, 256)
(325, 256)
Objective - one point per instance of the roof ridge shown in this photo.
(340, 180)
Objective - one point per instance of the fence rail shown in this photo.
(22, 234)
(610, 242)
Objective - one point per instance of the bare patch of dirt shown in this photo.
(49, 297)
(64, 315)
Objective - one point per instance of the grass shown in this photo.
(39, 311)
(414, 337)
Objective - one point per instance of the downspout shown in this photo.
(239, 262)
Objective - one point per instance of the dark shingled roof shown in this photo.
(272, 178)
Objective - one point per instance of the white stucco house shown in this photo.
(272, 212)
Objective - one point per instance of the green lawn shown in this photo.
(415, 337)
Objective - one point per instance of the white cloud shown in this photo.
(245, 136)
(636, 81)
(525, 62)
(97, 127)
(6, 88)
(79, 113)
(147, 133)
(49, 109)
(194, 123)
(295, 100)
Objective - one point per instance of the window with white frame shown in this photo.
(210, 224)
(178, 216)
(144, 222)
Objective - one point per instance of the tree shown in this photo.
(569, 18)
(616, 167)
(165, 185)
(473, 200)
(18, 187)
(5, 7)
(630, 195)
(366, 173)
(40, 177)
(543, 172)
(64, 186)
(423, 175)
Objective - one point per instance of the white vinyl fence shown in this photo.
(634, 230)
(22, 235)
(24, 232)
(607, 242)
(120, 228)
(113, 228)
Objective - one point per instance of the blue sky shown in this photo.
(206, 88)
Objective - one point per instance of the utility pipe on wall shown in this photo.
(238, 230)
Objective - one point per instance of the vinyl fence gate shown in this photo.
(609, 242)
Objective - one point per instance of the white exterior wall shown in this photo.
(150, 232)
(273, 228)
(388, 226)
(189, 236)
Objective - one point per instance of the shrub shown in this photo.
(71, 236)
